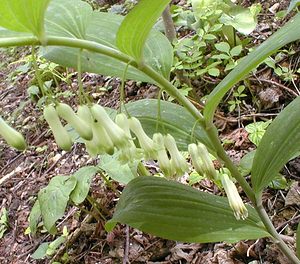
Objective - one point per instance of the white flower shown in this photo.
(202, 161)
(146, 142)
(162, 157)
(177, 160)
(116, 134)
(234, 199)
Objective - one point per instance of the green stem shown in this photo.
(213, 136)
(99, 48)
(271, 229)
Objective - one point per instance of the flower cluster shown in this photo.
(126, 135)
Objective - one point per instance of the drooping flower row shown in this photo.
(101, 134)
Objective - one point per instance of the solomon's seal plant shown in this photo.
(73, 35)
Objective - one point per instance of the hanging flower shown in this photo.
(162, 157)
(235, 201)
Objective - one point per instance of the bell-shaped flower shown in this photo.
(130, 152)
(208, 166)
(164, 162)
(101, 139)
(235, 201)
(146, 143)
(177, 160)
(201, 161)
(117, 134)
(195, 157)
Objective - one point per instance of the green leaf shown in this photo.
(256, 131)
(41, 251)
(84, 178)
(53, 246)
(77, 16)
(53, 199)
(279, 182)
(23, 16)
(221, 56)
(292, 5)
(209, 37)
(136, 26)
(178, 212)
(214, 72)
(240, 18)
(81, 22)
(246, 162)
(119, 172)
(278, 145)
(288, 33)
(172, 119)
(223, 47)
(34, 217)
(236, 51)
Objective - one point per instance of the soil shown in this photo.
(22, 175)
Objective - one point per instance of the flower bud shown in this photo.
(177, 160)
(234, 199)
(146, 142)
(162, 157)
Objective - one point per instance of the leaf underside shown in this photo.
(75, 19)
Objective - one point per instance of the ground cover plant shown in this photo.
(147, 130)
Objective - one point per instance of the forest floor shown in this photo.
(22, 175)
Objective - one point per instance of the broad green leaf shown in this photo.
(53, 199)
(84, 178)
(288, 33)
(293, 4)
(119, 172)
(137, 25)
(23, 15)
(34, 217)
(169, 118)
(178, 212)
(81, 22)
(76, 19)
(278, 145)
(77, 15)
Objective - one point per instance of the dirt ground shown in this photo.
(22, 175)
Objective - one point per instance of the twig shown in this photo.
(72, 237)
(169, 25)
(126, 247)
(277, 84)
